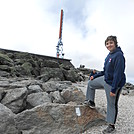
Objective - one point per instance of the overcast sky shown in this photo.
(33, 26)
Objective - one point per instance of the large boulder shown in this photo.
(4, 84)
(48, 73)
(23, 82)
(50, 64)
(7, 123)
(15, 99)
(27, 68)
(73, 95)
(34, 89)
(4, 74)
(6, 66)
(72, 75)
(57, 119)
(52, 86)
(56, 97)
(5, 60)
(36, 99)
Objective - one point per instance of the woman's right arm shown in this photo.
(98, 74)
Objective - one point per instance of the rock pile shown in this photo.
(14, 63)
(38, 107)
(128, 89)
(37, 96)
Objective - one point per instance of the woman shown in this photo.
(112, 79)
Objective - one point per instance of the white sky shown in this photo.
(33, 26)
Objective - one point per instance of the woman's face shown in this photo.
(110, 45)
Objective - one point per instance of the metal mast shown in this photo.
(59, 47)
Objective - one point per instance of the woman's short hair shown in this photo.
(113, 38)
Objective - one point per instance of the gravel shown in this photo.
(125, 118)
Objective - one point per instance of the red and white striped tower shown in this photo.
(59, 47)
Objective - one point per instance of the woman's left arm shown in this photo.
(119, 68)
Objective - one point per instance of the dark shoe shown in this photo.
(91, 104)
(109, 129)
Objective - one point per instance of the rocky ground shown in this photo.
(125, 120)
(30, 106)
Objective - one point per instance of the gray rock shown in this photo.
(85, 71)
(2, 94)
(14, 82)
(125, 92)
(50, 64)
(65, 83)
(27, 69)
(57, 119)
(66, 67)
(4, 74)
(23, 82)
(56, 97)
(4, 84)
(128, 89)
(52, 86)
(48, 73)
(7, 123)
(5, 68)
(15, 99)
(5, 60)
(131, 93)
(36, 99)
(73, 95)
(34, 89)
(128, 86)
(72, 75)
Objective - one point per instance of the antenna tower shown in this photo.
(59, 47)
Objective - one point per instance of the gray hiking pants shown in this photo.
(112, 102)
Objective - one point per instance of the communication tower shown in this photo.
(59, 47)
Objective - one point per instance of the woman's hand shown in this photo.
(91, 78)
(112, 94)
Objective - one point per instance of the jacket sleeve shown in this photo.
(119, 67)
(99, 74)
(91, 74)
